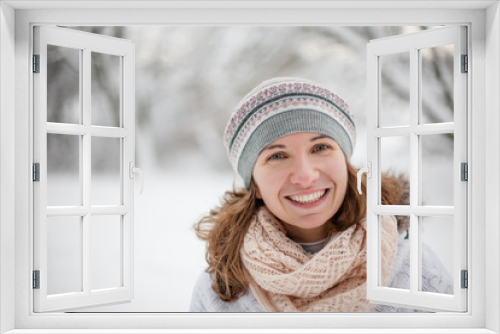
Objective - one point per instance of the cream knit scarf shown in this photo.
(286, 278)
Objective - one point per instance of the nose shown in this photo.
(304, 172)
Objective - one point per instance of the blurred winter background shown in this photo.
(188, 79)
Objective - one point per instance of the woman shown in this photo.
(295, 238)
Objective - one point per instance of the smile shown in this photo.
(309, 198)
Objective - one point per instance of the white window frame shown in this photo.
(412, 44)
(86, 43)
(16, 128)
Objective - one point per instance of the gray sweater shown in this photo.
(434, 279)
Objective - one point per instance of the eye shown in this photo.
(276, 156)
(320, 147)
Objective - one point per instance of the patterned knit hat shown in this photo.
(279, 107)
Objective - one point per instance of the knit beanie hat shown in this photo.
(279, 107)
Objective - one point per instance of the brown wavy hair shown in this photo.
(224, 228)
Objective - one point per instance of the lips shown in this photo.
(308, 198)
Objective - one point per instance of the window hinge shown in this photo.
(465, 279)
(464, 168)
(36, 279)
(36, 63)
(36, 172)
(465, 64)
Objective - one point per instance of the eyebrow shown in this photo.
(319, 137)
(272, 147)
(281, 146)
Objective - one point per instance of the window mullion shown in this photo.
(414, 170)
(405, 210)
(86, 253)
(61, 211)
(123, 220)
(86, 120)
(127, 102)
(86, 165)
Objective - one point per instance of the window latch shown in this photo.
(368, 171)
(134, 170)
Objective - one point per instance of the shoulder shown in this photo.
(435, 278)
(205, 299)
(200, 292)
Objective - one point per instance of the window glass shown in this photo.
(395, 156)
(105, 252)
(400, 279)
(437, 84)
(63, 85)
(64, 255)
(437, 170)
(394, 89)
(106, 87)
(106, 174)
(63, 170)
(436, 249)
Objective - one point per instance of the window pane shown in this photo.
(395, 156)
(437, 169)
(106, 87)
(437, 84)
(63, 85)
(63, 170)
(64, 255)
(436, 236)
(399, 273)
(105, 252)
(395, 89)
(106, 176)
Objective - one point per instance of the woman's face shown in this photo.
(302, 179)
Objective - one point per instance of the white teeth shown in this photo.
(308, 198)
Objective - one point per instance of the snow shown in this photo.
(168, 256)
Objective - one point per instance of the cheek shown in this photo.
(345, 181)
(340, 174)
(267, 184)
(341, 180)
(261, 183)
(265, 189)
